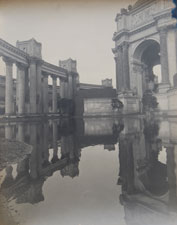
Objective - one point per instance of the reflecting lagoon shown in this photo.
(91, 171)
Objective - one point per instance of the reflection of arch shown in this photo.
(155, 180)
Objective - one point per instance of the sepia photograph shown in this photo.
(88, 112)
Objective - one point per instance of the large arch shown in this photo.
(146, 57)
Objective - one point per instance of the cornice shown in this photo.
(13, 49)
(121, 33)
(163, 14)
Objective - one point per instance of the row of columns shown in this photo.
(32, 83)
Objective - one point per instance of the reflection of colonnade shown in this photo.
(32, 88)
(56, 146)
(50, 152)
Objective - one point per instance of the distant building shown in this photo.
(107, 83)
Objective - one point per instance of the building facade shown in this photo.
(146, 38)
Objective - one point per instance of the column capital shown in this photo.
(45, 74)
(39, 62)
(34, 60)
(53, 77)
(125, 44)
(63, 79)
(21, 66)
(119, 47)
(8, 60)
(162, 30)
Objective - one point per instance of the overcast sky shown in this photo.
(80, 30)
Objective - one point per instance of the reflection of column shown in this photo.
(54, 95)
(171, 167)
(119, 70)
(8, 132)
(55, 145)
(125, 61)
(64, 147)
(20, 134)
(8, 87)
(126, 160)
(45, 93)
(20, 88)
(39, 87)
(32, 79)
(164, 56)
(46, 143)
(33, 163)
(22, 168)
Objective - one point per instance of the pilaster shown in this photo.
(164, 55)
(125, 61)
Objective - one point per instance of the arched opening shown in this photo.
(147, 57)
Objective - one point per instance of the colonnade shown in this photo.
(32, 95)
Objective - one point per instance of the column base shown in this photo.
(163, 87)
(131, 103)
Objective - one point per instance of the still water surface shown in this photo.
(102, 171)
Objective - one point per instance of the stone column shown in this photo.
(45, 93)
(54, 95)
(164, 56)
(125, 63)
(33, 85)
(70, 86)
(17, 95)
(39, 87)
(66, 87)
(62, 88)
(119, 70)
(20, 89)
(27, 91)
(8, 87)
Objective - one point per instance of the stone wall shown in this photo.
(167, 102)
(98, 107)
(94, 102)
(172, 102)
